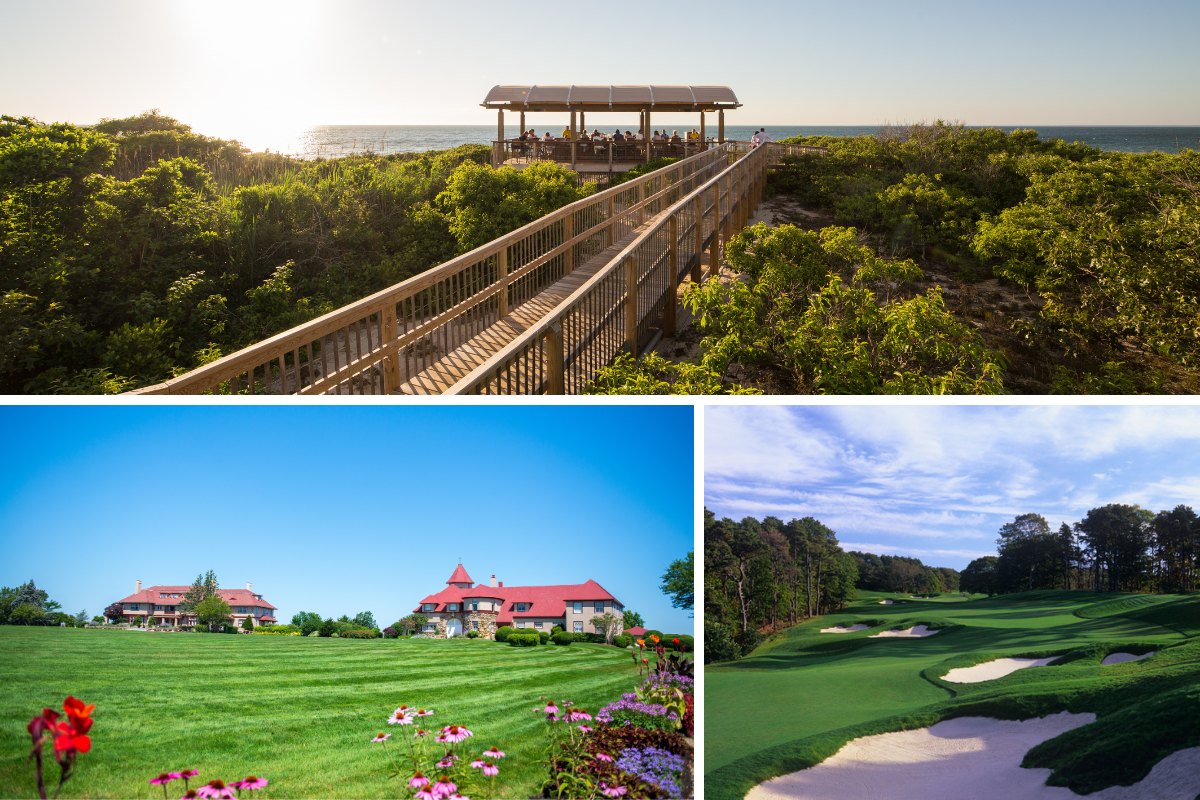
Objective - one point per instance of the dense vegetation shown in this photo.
(136, 249)
(903, 574)
(764, 575)
(1114, 548)
(28, 605)
(938, 259)
(809, 693)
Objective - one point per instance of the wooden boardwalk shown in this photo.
(458, 363)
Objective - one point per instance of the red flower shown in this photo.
(67, 740)
(39, 725)
(76, 709)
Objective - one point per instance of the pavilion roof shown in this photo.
(611, 98)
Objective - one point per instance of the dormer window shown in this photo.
(429, 607)
(522, 606)
(452, 606)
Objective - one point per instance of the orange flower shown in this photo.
(76, 709)
(654, 638)
(641, 642)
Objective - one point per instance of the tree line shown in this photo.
(1114, 548)
(763, 575)
(903, 574)
(136, 249)
(28, 605)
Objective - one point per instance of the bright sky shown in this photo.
(937, 482)
(262, 70)
(341, 509)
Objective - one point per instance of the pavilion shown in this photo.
(578, 101)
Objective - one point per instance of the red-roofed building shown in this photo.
(463, 606)
(161, 605)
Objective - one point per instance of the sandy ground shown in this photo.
(841, 629)
(886, 602)
(1121, 658)
(991, 670)
(908, 633)
(970, 758)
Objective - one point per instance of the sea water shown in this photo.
(327, 141)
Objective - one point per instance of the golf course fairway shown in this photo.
(802, 695)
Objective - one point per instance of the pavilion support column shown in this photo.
(703, 146)
(522, 131)
(498, 147)
(646, 133)
(721, 126)
(583, 121)
(574, 139)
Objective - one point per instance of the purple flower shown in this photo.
(654, 766)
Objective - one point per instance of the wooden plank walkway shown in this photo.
(458, 363)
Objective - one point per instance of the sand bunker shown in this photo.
(908, 633)
(886, 602)
(991, 670)
(1121, 658)
(969, 757)
(843, 629)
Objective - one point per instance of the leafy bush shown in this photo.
(360, 633)
(328, 628)
(472, 634)
(543, 637)
(623, 640)
(503, 632)
(562, 637)
(523, 639)
(718, 643)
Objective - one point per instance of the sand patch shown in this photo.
(991, 670)
(969, 757)
(844, 629)
(916, 632)
(1121, 658)
(886, 602)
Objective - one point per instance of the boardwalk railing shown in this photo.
(633, 299)
(376, 344)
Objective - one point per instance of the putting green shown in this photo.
(800, 696)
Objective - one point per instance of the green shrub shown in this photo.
(543, 637)
(561, 637)
(328, 628)
(523, 639)
(557, 629)
(472, 634)
(503, 632)
(718, 643)
(686, 643)
(360, 633)
(248, 623)
(623, 640)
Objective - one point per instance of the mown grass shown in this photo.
(298, 711)
(799, 698)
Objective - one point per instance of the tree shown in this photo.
(633, 619)
(328, 627)
(607, 623)
(81, 617)
(307, 621)
(1116, 538)
(364, 619)
(1030, 556)
(980, 576)
(113, 612)
(1177, 548)
(248, 623)
(213, 613)
(193, 596)
(679, 582)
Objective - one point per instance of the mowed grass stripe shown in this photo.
(299, 711)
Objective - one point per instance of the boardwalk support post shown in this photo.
(553, 344)
(673, 276)
(714, 246)
(697, 274)
(502, 279)
(389, 329)
(568, 235)
(631, 305)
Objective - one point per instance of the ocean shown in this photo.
(327, 141)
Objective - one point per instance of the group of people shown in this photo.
(760, 136)
(616, 136)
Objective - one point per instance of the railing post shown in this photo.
(697, 273)
(502, 279)
(553, 344)
(631, 305)
(391, 360)
(641, 217)
(612, 212)
(714, 251)
(673, 279)
(568, 235)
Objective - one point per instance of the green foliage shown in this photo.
(679, 582)
(503, 632)
(212, 613)
(523, 639)
(632, 619)
(247, 623)
(328, 628)
(543, 637)
(820, 308)
(307, 621)
(364, 619)
(26, 605)
(472, 634)
(655, 375)
(359, 633)
(562, 637)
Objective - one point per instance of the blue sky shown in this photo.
(341, 509)
(263, 70)
(937, 482)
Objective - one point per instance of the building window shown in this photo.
(522, 606)
(452, 607)
(578, 625)
(430, 627)
(599, 606)
(577, 606)
(474, 605)
(474, 625)
(429, 607)
(520, 623)
(539, 624)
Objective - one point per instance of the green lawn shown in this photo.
(797, 698)
(298, 711)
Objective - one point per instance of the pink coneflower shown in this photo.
(424, 794)
(185, 774)
(603, 757)
(585, 729)
(448, 761)
(478, 763)
(381, 737)
(417, 781)
(424, 712)
(454, 734)
(493, 752)
(578, 715)
(421, 732)
(190, 794)
(444, 787)
(216, 790)
(400, 717)
(612, 791)
(163, 778)
(550, 708)
(457, 796)
(251, 783)
(490, 769)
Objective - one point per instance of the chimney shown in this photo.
(493, 583)
(249, 587)
(501, 584)
(137, 586)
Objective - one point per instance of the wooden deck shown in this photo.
(458, 363)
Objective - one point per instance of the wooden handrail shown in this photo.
(370, 346)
